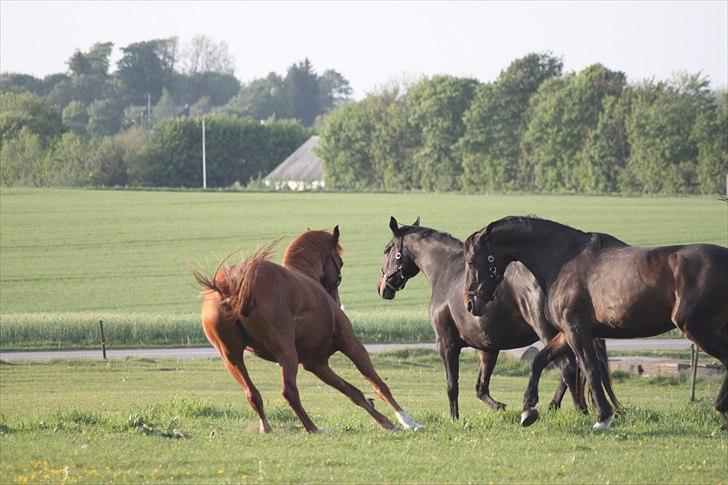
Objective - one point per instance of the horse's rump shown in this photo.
(235, 283)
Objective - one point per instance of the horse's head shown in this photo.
(485, 264)
(317, 254)
(399, 265)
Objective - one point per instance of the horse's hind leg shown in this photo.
(229, 340)
(487, 358)
(354, 350)
(327, 375)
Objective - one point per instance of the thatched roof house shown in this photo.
(302, 170)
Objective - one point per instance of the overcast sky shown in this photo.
(371, 43)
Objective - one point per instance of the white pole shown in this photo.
(204, 158)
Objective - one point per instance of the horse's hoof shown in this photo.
(499, 406)
(407, 422)
(320, 431)
(529, 416)
(553, 406)
(602, 425)
(264, 427)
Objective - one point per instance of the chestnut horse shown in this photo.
(291, 315)
(598, 286)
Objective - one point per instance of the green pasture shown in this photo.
(188, 421)
(69, 258)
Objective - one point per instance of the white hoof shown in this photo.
(600, 425)
(321, 431)
(264, 426)
(407, 422)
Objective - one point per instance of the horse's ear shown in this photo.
(336, 235)
(417, 222)
(394, 226)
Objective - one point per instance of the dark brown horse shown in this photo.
(515, 319)
(598, 286)
(284, 314)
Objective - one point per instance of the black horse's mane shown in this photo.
(549, 227)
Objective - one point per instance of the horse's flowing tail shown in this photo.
(605, 375)
(235, 283)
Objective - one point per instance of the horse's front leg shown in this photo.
(488, 359)
(450, 354)
(556, 347)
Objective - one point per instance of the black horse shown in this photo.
(513, 320)
(598, 286)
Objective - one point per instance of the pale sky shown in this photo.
(371, 43)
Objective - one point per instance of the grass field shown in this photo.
(69, 258)
(154, 421)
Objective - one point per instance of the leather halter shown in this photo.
(338, 269)
(476, 288)
(399, 270)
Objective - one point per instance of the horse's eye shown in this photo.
(471, 262)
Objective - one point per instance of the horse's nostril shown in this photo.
(470, 305)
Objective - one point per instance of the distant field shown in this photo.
(188, 421)
(69, 258)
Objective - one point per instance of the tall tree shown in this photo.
(334, 89)
(496, 121)
(203, 54)
(261, 98)
(304, 93)
(563, 112)
(146, 68)
(436, 108)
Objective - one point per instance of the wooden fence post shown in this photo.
(103, 339)
(694, 364)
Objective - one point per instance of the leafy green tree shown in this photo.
(165, 107)
(710, 133)
(606, 151)
(219, 88)
(18, 82)
(75, 118)
(146, 68)
(202, 106)
(67, 164)
(98, 58)
(304, 94)
(663, 154)
(347, 138)
(27, 110)
(83, 88)
(78, 64)
(496, 121)
(563, 112)
(23, 160)
(334, 90)
(261, 98)
(436, 106)
(106, 164)
(105, 117)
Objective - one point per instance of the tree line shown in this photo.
(535, 128)
(140, 124)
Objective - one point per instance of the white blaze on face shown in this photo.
(407, 422)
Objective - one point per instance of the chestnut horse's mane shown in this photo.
(308, 252)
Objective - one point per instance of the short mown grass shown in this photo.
(178, 420)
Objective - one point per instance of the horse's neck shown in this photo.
(542, 252)
(303, 269)
(436, 259)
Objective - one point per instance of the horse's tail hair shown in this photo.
(235, 284)
(605, 376)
